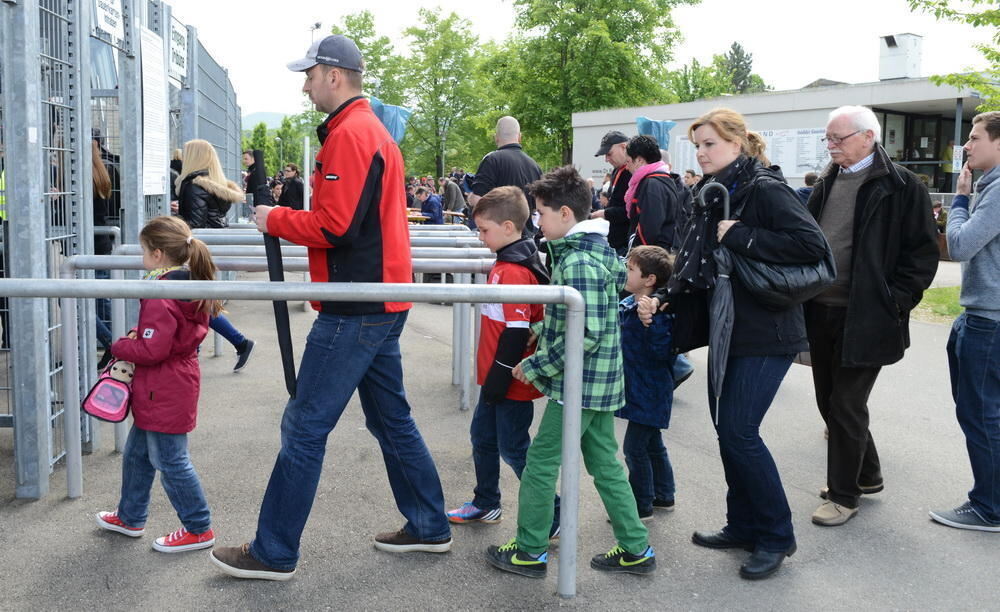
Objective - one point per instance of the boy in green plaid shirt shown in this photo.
(581, 258)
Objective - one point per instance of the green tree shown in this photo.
(695, 81)
(739, 65)
(441, 86)
(979, 14)
(383, 67)
(570, 56)
(290, 145)
(260, 139)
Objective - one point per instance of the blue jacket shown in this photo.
(433, 209)
(648, 364)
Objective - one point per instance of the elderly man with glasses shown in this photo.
(877, 217)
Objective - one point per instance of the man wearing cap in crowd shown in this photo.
(356, 231)
(613, 149)
(508, 165)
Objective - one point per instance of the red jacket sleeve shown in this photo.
(342, 182)
(154, 335)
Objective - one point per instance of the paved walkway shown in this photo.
(889, 557)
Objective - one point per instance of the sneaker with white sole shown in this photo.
(239, 563)
(243, 353)
(964, 517)
(111, 522)
(470, 513)
(183, 540)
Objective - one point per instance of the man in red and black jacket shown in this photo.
(356, 231)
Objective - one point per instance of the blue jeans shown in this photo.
(649, 469)
(344, 353)
(974, 362)
(756, 507)
(148, 452)
(103, 309)
(224, 328)
(498, 431)
(682, 365)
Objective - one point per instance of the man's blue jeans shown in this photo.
(649, 469)
(148, 452)
(757, 509)
(344, 353)
(974, 362)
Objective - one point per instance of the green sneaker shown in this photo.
(510, 558)
(620, 560)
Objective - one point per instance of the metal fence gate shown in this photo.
(65, 84)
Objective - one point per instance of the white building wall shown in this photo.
(787, 112)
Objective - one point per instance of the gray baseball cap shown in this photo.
(335, 50)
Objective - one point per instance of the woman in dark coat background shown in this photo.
(771, 225)
(292, 192)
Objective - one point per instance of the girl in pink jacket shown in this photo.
(164, 349)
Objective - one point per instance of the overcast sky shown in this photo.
(793, 42)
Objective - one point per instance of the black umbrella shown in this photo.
(257, 184)
(720, 310)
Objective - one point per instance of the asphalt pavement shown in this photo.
(890, 556)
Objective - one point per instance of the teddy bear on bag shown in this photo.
(111, 396)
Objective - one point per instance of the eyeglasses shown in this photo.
(837, 140)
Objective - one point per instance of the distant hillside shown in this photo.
(271, 120)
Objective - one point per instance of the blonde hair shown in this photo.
(200, 155)
(176, 155)
(732, 127)
(102, 180)
(173, 236)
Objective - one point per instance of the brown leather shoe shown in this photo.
(238, 562)
(832, 514)
(401, 541)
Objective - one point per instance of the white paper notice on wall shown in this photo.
(923, 142)
(956, 159)
(154, 115)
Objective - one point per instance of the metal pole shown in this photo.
(456, 333)
(118, 325)
(71, 399)
(958, 138)
(572, 413)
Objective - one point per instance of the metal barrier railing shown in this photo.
(246, 250)
(238, 238)
(72, 290)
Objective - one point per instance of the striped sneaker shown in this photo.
(183, 540)
(111, 522)
(469, 513)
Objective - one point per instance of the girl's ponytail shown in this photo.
(202, 267)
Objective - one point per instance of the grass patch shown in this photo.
(939, 305)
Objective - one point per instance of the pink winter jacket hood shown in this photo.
(167, 376)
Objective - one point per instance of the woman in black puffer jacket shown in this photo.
(205, 197)
(204, 194)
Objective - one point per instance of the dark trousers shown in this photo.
(842, 396)
(756, 507)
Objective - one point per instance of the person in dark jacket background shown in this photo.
(771, 225)
(508, 165)
(292, 191)
(804, 192)
(205, 197)
(613, 149)
(430, 205)
(647, 361)
(877, 217)
(652, 198)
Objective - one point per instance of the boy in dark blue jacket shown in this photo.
(649, 385)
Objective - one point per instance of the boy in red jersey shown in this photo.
(500, 424)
